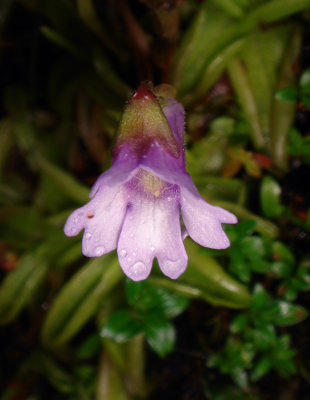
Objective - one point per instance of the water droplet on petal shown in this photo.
(123, 253)
(169, 198)
(99, 250)
(152, 248)
(139, 268)
(88, 235)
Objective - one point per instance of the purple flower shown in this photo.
(135, 206)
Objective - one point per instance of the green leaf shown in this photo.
(261, 368)
(283, 112)
(18, 287)
(289, 314)
(209, 33)
(304, 80)
(240, 376)
(262, 337)
(261, 298)
(253, 247)
(286, 94)
(143, 297)
(239, 323)
(244, 228)
(79, 299)
(296, 142)
(305, 98)
(239, 266)
(160, 333)
(214, 284)
(282, 252)
(66, 182)
(270, 198)
(121, 326)
(89, 347)
(281, 269)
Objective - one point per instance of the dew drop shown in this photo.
(152, 248)
(138, 269)
(99, 250)
(169, 199)
(123, 253)
(88, 235)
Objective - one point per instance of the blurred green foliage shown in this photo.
(228, 328)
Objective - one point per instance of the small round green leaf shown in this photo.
(121, 326)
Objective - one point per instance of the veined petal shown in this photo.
(102, 219)
(123, 167)
(152, 229)
(203, 221)
(175, 114)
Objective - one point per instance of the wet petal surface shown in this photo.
(102, 219)
(203, 221)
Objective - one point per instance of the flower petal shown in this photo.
(175, 114)
(152, 229)
(102, 219)
(203, 221)
(123, 167)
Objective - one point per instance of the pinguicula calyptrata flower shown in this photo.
(137, 205)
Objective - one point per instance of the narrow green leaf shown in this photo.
(231, 7)
(213, 283)
(241, 85)
(283, 112)
(62, 41)
(63, 180)
(79, 299)
(263, 226)
(18, 287)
